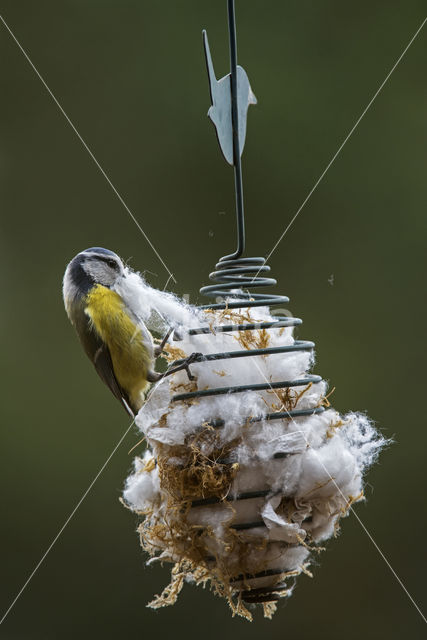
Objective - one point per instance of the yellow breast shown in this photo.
(130, 356)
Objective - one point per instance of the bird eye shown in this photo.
(112, 264)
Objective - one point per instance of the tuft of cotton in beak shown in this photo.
(158, 310)
(226, 495)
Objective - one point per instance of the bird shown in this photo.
(118, 343)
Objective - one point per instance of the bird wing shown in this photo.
(104, 367)
(99, 354)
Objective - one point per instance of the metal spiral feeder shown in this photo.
(234, 275)
(228, 496)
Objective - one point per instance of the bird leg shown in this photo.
(153, 376)
(185, 365)
(159, 349)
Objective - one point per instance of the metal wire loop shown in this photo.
(232, 280)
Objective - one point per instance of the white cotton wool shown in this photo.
(225, 494)
(142, 487)
(159, 310)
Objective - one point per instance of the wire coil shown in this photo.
(232, 281)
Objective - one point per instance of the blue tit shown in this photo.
(117, 342)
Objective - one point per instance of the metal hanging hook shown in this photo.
(231, 97)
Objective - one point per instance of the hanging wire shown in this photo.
(240, 213)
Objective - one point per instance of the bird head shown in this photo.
(90, 267)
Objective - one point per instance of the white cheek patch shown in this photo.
(100, 272)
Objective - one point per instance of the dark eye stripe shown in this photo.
(110, 261)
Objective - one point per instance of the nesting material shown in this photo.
(309, 469)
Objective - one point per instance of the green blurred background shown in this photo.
(131, 76)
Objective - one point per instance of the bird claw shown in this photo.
(193, 357)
